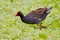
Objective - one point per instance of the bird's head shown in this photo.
(18, 13)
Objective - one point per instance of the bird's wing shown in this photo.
(36, 13)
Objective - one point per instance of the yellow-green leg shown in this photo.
(39, 26)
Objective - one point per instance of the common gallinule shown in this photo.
(35, 17)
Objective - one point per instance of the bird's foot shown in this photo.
(43, 27)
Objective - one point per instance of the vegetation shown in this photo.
(12, 28)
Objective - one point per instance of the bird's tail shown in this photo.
(48, 9)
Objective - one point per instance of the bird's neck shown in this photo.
(21, 16)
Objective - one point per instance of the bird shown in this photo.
(35, 16)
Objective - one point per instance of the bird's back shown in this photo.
(37, 15)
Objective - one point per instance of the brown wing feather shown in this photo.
(38, 12)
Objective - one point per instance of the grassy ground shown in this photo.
(12, 28)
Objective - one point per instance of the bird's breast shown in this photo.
(31, 20)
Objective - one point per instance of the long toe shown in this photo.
(43, 27)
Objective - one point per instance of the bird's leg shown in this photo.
(40, 26)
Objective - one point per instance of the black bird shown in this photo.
(35, 17)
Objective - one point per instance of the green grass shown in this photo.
(12, 28)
